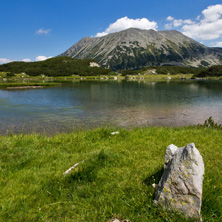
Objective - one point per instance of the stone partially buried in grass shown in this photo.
(180, 187)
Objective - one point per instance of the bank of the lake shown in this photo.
(115, 180)
(26, 85)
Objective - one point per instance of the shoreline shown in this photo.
(25, 87)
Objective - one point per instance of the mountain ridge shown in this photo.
(136, 48)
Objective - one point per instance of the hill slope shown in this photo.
(59, 66)
(136, 48)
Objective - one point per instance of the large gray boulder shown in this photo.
(180, 187)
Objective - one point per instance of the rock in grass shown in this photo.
(180, 187)
(118, 220)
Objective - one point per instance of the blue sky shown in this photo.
(35, 30)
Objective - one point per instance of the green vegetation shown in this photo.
(114, 181)
(59, 66)
(27, 84)
(152, 77)
(213, 71)
(209, 123)
(66, 67)
(172, 70)
(19, 77)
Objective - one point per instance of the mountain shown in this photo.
(135, 48)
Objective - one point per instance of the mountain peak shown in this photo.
(136, 48)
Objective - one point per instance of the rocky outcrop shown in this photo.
(136, 48)
(180, 187)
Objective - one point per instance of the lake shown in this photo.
(90, 104)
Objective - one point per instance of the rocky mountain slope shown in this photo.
(136, 48)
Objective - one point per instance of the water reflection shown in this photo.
(88, 104)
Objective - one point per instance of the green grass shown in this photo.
(23, 84)
(18, 77)
(2, 74)
(115, 181)
(162, 76)
(158, 76)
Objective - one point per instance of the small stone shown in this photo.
(118, 220)
(114, 133)
(180, 187)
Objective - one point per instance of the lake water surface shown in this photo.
(89, 104)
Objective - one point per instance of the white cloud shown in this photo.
(207, 26)
(100, 34)
(26, 60)
(4, 60)
(208, 31)
(212, 13)
(125, 23)
(177, 22)
(170, 18)
(188, 21)
(198, 17)
(168, 26)
(43, 31)
(42, 58)
(38, 58)
(216, 44)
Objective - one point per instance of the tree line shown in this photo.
(59, 66)
(213, 71)
(173, 70)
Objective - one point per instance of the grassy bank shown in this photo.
(115, 180)
(26, 84)
(159, 77)
(143, 76)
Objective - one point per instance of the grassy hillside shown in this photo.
(213, 71)
(115, 180)
(59, 66)
(172, 70)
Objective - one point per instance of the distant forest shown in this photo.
(213, 71)
(66, 66)
(173, 70)
(59, 66)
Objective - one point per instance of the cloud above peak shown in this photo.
(170, 18)
(43, 31)
(207, 26)
(212, 13)
(125, 23)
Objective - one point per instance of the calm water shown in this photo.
(89, 104)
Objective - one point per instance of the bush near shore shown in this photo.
(115, 180)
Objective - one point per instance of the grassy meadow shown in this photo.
(114, 181)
